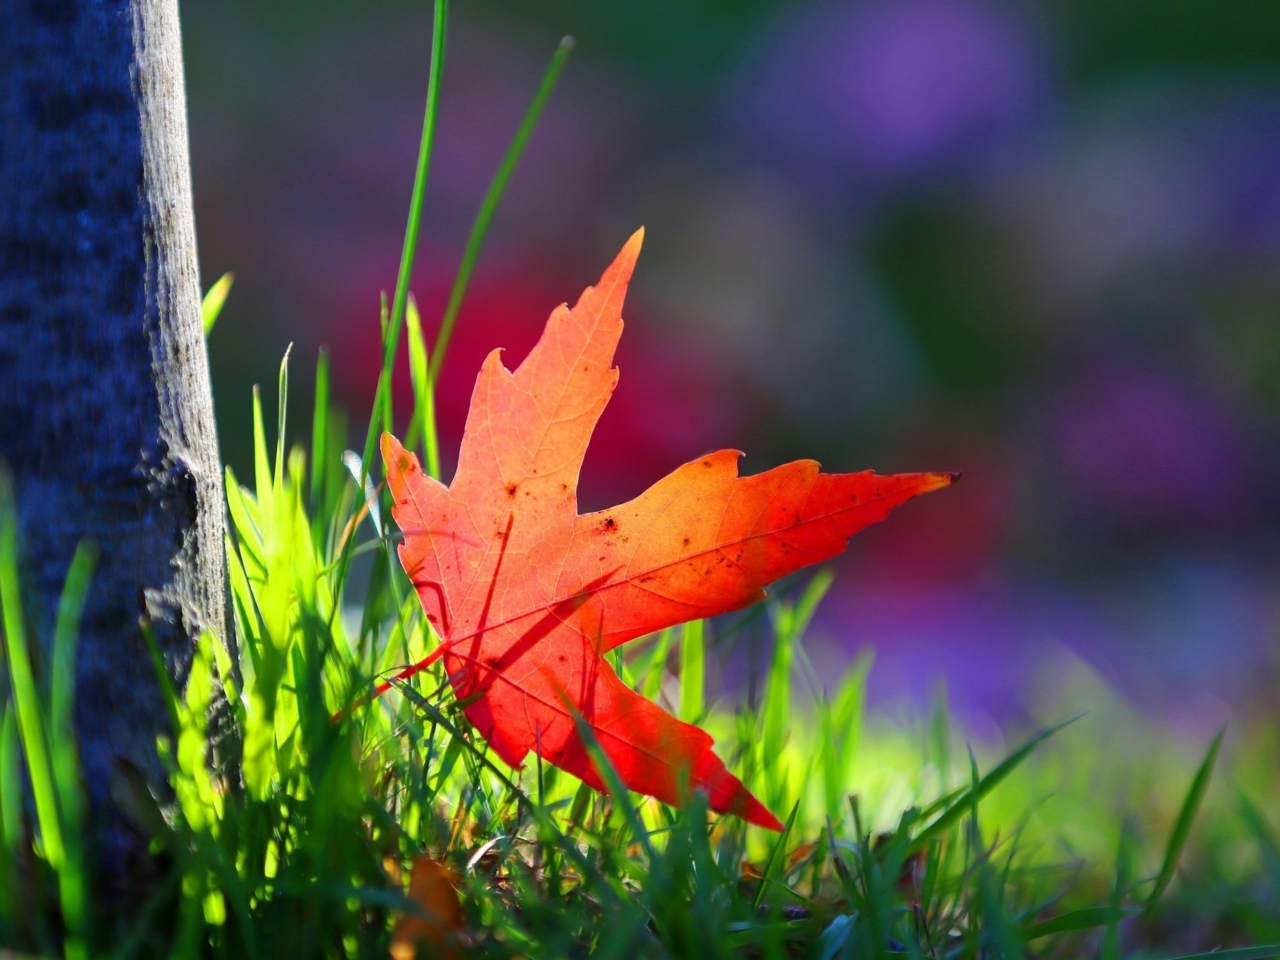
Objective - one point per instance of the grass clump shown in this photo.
(291, 834)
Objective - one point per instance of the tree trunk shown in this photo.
(106, 415)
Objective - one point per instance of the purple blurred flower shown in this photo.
(893, 87)
(1144, 190)
(1137, 443)
(1248, 162)
(1164, 635)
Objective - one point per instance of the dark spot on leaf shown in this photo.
(512, 488)
(610, 523)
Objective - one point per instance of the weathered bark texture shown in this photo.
(106, 415)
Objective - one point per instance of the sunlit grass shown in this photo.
(292, 833)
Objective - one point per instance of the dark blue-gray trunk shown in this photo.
(106, 417)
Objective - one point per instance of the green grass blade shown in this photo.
(774, 863)
(167, 691)
(1240, 953)
(10, 779)
(247, 533)
(1264, 837)
(358, 471)
(72, 878)
(261, 463)
(391, 335)
(488, 206)
(613, 783)
(807, 605)
(1186, 817)
(775, 710)
(31, 719)
(568, 847)
(1089, 918)
(409, 250)
(581, 801)
(1110, 948)
(211, 305)
(966, 802)
(944, 801)
(320, 432)
(392, 320)
(656, 665)
(66, 631)
(424, 403)
(10, 809)
(840, 721)
(282, 409)
(693, 656)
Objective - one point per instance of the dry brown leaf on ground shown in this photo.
(438, 926)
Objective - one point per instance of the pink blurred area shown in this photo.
(672, 408)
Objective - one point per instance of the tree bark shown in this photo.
(106, 413)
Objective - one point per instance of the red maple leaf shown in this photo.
(528, 595)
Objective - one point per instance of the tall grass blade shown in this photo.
(655, 665)
(211, 305)
(424, 404)
(489, 205)
(391, 334)
(261, 463)
(26, 695)
(1264, 837)
(1090, 918)
(10, 810)
(693, 658)
(320, 432)
(1110, 949)
(807, 605)
(774, 863)
(614, 784)
(834, 937)
(967, 801)
(358, 471)
(282, 409)
(66, 631)
(1186, 817)
(775, 710)
(569, 848)
(840, 724)
(72, 878)
(1240, 953)
(167, 691)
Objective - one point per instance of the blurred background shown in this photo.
(1037, 242)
